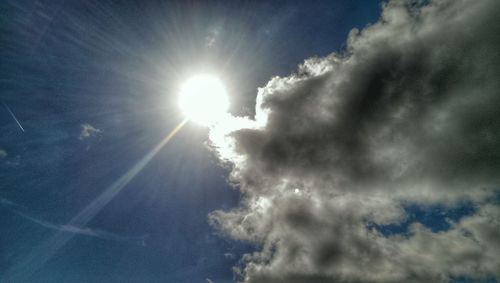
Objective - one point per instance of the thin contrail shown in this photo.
(13, 116)
(19, 210)
(23, 269)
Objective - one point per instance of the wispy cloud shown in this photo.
(3, 153)
(212, 37)
(84, 231)
(229, 255)
(88, 131)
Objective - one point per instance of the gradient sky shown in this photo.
(89, 88)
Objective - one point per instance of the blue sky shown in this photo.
(67, 64)
(94, 85)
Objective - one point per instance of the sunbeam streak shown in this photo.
(42, 253)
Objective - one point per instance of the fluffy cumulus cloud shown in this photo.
(407, 114)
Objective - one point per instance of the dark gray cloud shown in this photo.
(408, 113)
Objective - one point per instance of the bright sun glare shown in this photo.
(203, 99)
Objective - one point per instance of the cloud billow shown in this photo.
(407, 114)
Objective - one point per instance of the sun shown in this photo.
(203, 99)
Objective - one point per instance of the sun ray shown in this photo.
(43, 252)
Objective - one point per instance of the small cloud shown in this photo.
(3, 153)
(209, 281)
(12, 162)
(212, 36)
(5, 202)
(229, 256)
(88, 131)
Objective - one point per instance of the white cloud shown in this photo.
(229, 255)
(88, 131)
(85, 231)
(212, 37)
(408, 114)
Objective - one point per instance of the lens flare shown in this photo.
(203, 99)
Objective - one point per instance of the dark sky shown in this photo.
(381, 146)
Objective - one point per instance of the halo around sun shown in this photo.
(203, 99)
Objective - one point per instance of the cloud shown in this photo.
(212, 37)
(19, 210)
(3, 153)
(229, 255)
(88, 131)
(407, 114)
